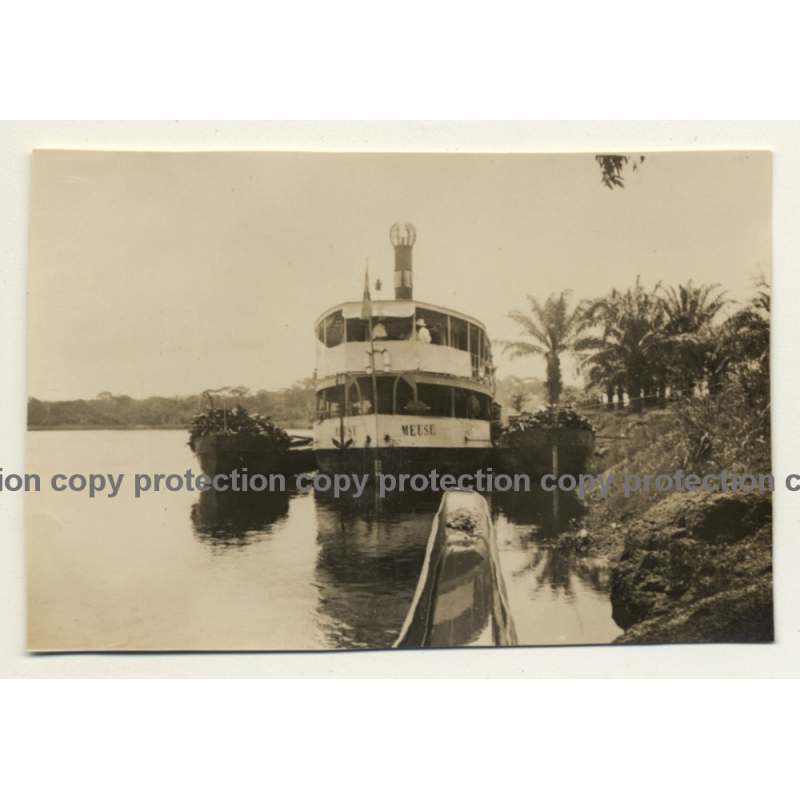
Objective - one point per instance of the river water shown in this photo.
(202, 571)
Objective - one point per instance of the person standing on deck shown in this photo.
(423, 334)
(379, 330)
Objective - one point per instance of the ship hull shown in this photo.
(403, 460)
(221, 454)
(409, 445)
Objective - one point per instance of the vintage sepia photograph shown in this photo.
(303, 401)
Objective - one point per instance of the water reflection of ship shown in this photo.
(226, 519)
(369, 559)
(550, 512)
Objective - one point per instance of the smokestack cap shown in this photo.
(406, 235)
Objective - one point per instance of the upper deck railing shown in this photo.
(406, 336)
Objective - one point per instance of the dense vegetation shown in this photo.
(650, 345)
(688, 390)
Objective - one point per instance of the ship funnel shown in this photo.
(402, 239)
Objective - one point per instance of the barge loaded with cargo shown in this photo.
(225, 439)
(553, 441)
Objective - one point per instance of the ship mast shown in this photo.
(366, 311)
(402, 240)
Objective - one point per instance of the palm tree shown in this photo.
(746, 341)
(690, 308)
(693, 343)
(605, 374)
(554, 329)
(631, 344)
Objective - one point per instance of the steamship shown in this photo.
(403, 386)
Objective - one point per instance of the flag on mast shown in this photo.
(366, 303)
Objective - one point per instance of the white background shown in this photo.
(415, 60)
(782, 658)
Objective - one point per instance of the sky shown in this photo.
(171, 273)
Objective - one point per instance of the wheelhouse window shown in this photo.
(404, 400)
(357, 330)
(329, 402)
(472, 405)
(435, 401)
(393, 329)
(354, 401)
(445, 330)
(366, 391)
(476, 350)
(333, 331)
(475, 340)
(459, 334)
(397, 329)
(398, 395)
(437, 325)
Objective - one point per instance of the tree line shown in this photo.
(650, 345)
(290, 408)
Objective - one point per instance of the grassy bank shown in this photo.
(686, 566)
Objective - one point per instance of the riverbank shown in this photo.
(685, 567)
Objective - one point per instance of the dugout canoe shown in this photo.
(460, 597)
